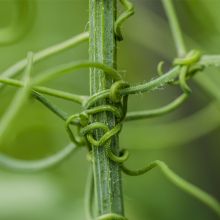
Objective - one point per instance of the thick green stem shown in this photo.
(107, 175)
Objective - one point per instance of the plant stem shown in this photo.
(107, 175)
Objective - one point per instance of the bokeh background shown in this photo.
(187, 139)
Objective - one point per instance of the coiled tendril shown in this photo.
(126, 14)
(86, 128)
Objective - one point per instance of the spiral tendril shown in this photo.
(160, 68)
(191, 58)
(86, 128)
(125, 15)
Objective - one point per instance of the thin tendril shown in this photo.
(89, 195)
(60, 113)
(124, 16)
(189, 188)
(186, 130)
(61, 94)
(36, 165)
(160, 68)
(73, 66)
(210, 60)
(157, 112)
(47, 91)
(18, 100)
(153, 84)
(175, 27)
(43, 54)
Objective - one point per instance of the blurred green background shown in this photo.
(187, 139)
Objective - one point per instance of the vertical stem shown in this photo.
(107, 175)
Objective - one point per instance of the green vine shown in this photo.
(104, 111)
